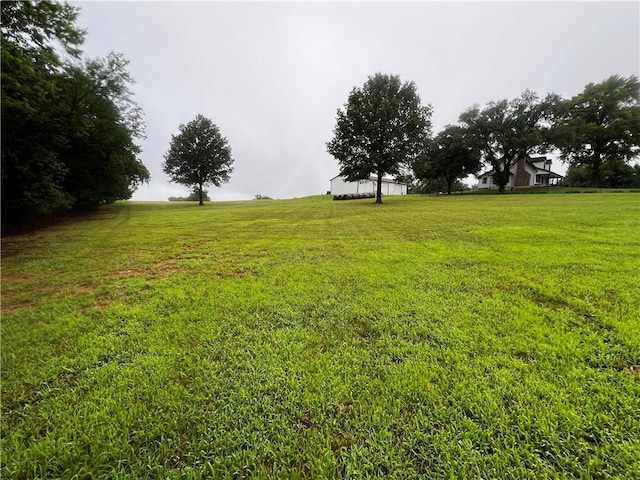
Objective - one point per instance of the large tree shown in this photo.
(34, 34)
(198, 156)
(506, 131)
(450, 156)
(380, 130)
(612, 174)
(600, 125)
(69, 128)
(102, 155)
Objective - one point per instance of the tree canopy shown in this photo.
(450, 156)
(69, 127)
(612, 174)
(198, 156)
(507, 130)
(380, 130)
(600, 126)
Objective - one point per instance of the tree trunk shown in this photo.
(449, 182)
(501, 177)
(595, 177)
(200, 194)
(379, 188)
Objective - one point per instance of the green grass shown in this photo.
(429, 337)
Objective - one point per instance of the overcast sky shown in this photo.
(272, 75)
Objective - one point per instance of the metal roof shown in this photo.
(375, 178)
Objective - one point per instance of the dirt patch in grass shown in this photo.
(632, 371)
(237, 273)
(126, 274)
(524, 357)
(14, 301)
(102, 303)
(306, 419)
(171, 266)
(18, 277)
(14, 307)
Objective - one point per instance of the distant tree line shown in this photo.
(194, 196)
(384, 130)
(69, 125)
(613, 174)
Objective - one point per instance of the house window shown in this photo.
(484, 180)
(539, 179)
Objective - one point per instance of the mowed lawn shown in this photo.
(429, 337)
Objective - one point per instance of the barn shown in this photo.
(340, 186)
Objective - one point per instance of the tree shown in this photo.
(380, 130)
(450, 156)
(612, 174)
(38, 26)
(68, 128)
(506, 131)
(194, 196)
(199, 155)
(33, 127)
(600, 125)
(102, 156)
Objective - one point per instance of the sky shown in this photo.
(272, 75)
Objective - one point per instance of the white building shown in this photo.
(527, 172)
(339, 186)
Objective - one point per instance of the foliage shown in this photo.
(102, 155)
(41, 27)
(262, 197)
(611, 174)
(316, 339)
(380, 130)
(450, 157)
(600, 125)
(199, 155)
(506, 131)
(32, 127)
(437, 185)
(194, 196)
(68, 129)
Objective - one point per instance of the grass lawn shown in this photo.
(429, 337)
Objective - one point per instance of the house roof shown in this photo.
(374, 178)
(531, 161)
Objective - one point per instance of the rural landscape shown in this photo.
(428, 337)
(421, 328)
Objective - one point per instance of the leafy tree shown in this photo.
(199, 155)
(450, 157)
(380, 130)
(506, 131)
(437, 184)
(612, 174)
(102, 156)
(38, 26)
(68, 129)
(600, 125)
(33, 122)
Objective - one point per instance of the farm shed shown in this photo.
(340, 186)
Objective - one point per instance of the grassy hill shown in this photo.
(428, 337)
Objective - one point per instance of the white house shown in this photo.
(527, 172)
(339, 186)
